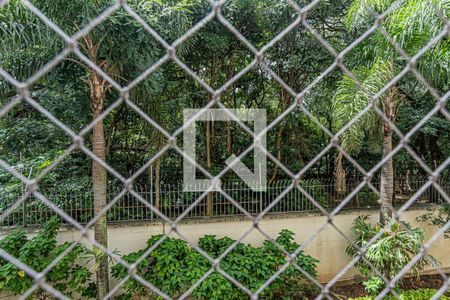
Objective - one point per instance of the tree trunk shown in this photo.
(209, 201)
(340, 176)
(158, 184)
(435, 151)
(159, 142)
(387, 178)
(229, 131)
(112, 130)
(279, 134)
(99, 186)
(98, 88)
(390, 107)
(209, 134)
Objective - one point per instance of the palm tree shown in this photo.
(411, 24)
(21, 31)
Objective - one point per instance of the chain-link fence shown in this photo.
(105, 82)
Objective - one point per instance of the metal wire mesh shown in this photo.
(71, 41)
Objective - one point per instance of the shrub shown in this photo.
(367, 197)
(373, 285)
(69, 275)
(420, 294)
(390, 253)
(174, 267)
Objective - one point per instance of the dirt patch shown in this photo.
(357, 289)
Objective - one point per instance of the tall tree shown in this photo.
(411, 24)
(119, 46)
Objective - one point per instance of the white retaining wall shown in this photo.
(328, 246)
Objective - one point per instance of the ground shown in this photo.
(357, 289)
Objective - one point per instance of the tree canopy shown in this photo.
(30, 141)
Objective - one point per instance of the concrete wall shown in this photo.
(328, 246)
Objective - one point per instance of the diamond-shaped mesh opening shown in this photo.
(209, 44)
(81, 14)
(118, 124)
(154, 94)
(245, 17)
(52, 260)
(285, 67)
(297, 131)
(62, 87)
(29, 142)
(170, 20)
(151, 257)
(27, 28)
(65, 181)
(122, 29)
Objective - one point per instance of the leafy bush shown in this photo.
(420, 294)
(367, 197)
(373, 285)
(174, 267)
(69, 275)
(392, 251)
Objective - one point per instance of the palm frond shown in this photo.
(414, 23)
(348, 101)
(435, 65)
(20, 27)
(351, 98)
(359, 14)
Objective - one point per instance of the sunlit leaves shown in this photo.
(352, 97)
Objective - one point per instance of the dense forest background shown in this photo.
(30, 142)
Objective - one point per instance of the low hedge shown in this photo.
(174, 267)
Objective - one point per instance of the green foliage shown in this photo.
(373, 285)
(367, 196)
(69, 275)
(392, 251)
(412, 25)
(29, 141)
(420, 294)
(12, 243)
(173, 267)
(438, 217)
(128, 50)
(375, 62)
(350, 99)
